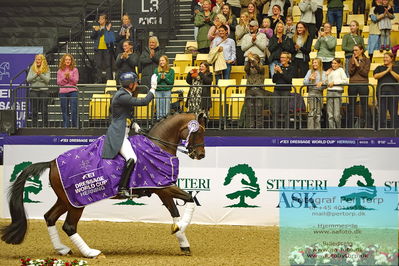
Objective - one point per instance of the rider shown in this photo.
(116, 139)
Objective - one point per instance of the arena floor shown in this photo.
(152, 244)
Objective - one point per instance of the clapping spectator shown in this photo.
(126, 33)
(241, 30)
(128, 60)
(388, 94)
(214, 30)
(325, 46)
(289, 26)
(335, 77)
(39, 78)
(266, 28)
(218, 7)
(254, 42)
(385, 24)
(349, 41)
(166, 78)
(68, 75)
(308, 15)
(276, 16)
(254, 13)
(228, 47)
(279, 3)
(302, 48)
(204, 20)
(278, 43)
(199, 97)
(149, 61)
(231, 20)
(315, 79)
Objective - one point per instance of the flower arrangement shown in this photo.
(53, 262)
(343, 255)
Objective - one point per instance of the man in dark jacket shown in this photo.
(116, 139)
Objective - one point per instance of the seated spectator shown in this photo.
(283, 74)
(231, 20)
(289, 26)
(199, 97)
(308, 15)
(388, 94)
(302, 48)
(104, 40)
(127, 61)
(241, 29)
(335, 77)
(213, 32)
(166, 78)
(204, 20)
(325, 46)
(254, 95)
(278, 43)
(359, 67)
(228, 47)
(39, 78)
(276, 16)
(254, 42)
(315, 79)
(266, 28)
(68, 75)
(149, 61)
(126, 33)
(349, 41)
(218, 7)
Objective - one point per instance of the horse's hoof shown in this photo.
(93, 254)
(101, 256)
(175, 228)
(185, 251)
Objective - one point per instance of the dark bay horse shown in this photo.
(167, 134)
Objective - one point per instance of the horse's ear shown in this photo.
(202, 116)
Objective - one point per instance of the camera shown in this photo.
(322, 29)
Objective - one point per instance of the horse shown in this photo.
(167, 134)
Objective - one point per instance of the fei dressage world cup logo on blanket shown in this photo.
(33, 184)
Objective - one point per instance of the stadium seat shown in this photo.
(191, 44)
(339, 45)
(200, 58)
(344, 30)
(334, 31)
(238, 73)
(111, 86)
(378, 57)
(181, 85)
(99, 106)
(373, 66)
(358, 17)
(297, 83)
(269, 82)
(345, 14)
(223, 83)
(183, 60)
(296, 13)
(313, 55)
(396, 19)
(178, 73)
(365, 31)
(236, 101)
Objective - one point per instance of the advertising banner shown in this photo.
(241, 181)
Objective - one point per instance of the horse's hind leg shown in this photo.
(70, 228)
(51, 218)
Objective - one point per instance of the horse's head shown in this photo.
(194, 133)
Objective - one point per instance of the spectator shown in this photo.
(199, 97)
(149, 61)
(325, 46)
(374, 31)
(235, 7)
(359, 7)
(278, 43)
(214, 30)
(218, 7)
(204, 20)
(266, 28)
(319, 14)
(335, 77)
(104, 40)
(276, 17)
(359, 67)
(283, 74)
(196, 6)
(241, 30)
(349, 41)
(315, 79)
(254, 13)
(289, 27)
(279, 3)
(385, 24)
(254, 94)
(396, 6)
(388, 94)
(231, 20)
(166, 78)
(308, 15)
(245, 4)
(39, 78)
(126, 33)
(302, 48)
(228, 47)
(254, 42)
(335, 11)
(68, 75)
(128, 60)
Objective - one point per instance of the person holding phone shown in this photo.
(325, 46)
(199, 96)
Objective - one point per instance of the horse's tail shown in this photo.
(15, 232)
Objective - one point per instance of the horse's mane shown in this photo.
(162, 122)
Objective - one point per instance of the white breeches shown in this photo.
(127, 150)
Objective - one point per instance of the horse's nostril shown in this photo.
(201, 156)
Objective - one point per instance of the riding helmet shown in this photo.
(127, 78)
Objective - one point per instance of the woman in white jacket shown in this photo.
(335, 78)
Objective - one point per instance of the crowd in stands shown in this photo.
(254, 33)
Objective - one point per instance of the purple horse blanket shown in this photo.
(88, 178)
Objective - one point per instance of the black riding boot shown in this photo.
(123, 184)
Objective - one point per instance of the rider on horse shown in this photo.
(116, 139)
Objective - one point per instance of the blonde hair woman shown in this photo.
(39, 78)
(302, 48)
(316, 79)
(241, 29)
(166, 78)
(68, 75)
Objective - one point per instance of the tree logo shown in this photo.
(249, 189)
(33, 183)
(364, 191)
